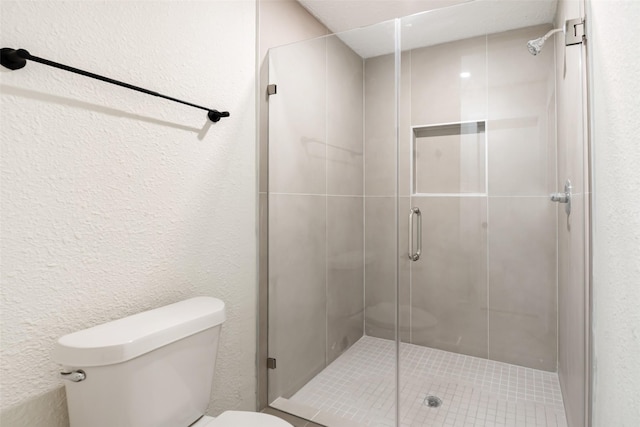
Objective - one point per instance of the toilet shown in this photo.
(152, 369)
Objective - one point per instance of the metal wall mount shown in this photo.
(574, 32)
(271, 363)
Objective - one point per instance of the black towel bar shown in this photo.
(16, 59)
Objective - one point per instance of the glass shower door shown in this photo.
(418, 272)
(478, 155)
(333, 228)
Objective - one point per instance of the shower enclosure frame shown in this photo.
(586, 206)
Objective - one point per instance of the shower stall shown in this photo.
(413, 251)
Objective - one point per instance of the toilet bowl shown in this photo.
(241, 419)
(152, 369)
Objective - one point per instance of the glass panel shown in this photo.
(333, 229)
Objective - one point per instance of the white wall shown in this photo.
(114, 202)
(616, 212)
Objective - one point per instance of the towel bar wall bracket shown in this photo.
(15, 59)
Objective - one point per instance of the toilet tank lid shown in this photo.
(133, 336)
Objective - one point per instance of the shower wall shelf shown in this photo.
(15, 59)
(449, 159)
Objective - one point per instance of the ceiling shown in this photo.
(441, 22)
(343, 15)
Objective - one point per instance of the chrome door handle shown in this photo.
(415, 256)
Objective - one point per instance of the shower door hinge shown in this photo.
(272, 89)
(271, 363)
(574, 32)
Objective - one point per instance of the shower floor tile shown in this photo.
(360, 386)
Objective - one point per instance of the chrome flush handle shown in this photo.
(74, 376)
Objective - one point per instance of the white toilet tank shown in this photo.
(152, 369)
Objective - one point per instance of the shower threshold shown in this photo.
(358, 389)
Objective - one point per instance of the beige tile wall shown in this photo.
(345, 273)
(449, 282)
(381, 187)
(522, 281)
(298, 119)
(521, 109)
(438, 93)
(380, 266)
(522, 221)
(450, 163)
(379, 131)
(344, 120)
(297, 289)
(486, 282)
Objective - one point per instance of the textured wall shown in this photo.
(114, 202)
(616, 212)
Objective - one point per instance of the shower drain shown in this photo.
(432, 401)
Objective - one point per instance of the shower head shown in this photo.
(535, 45)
